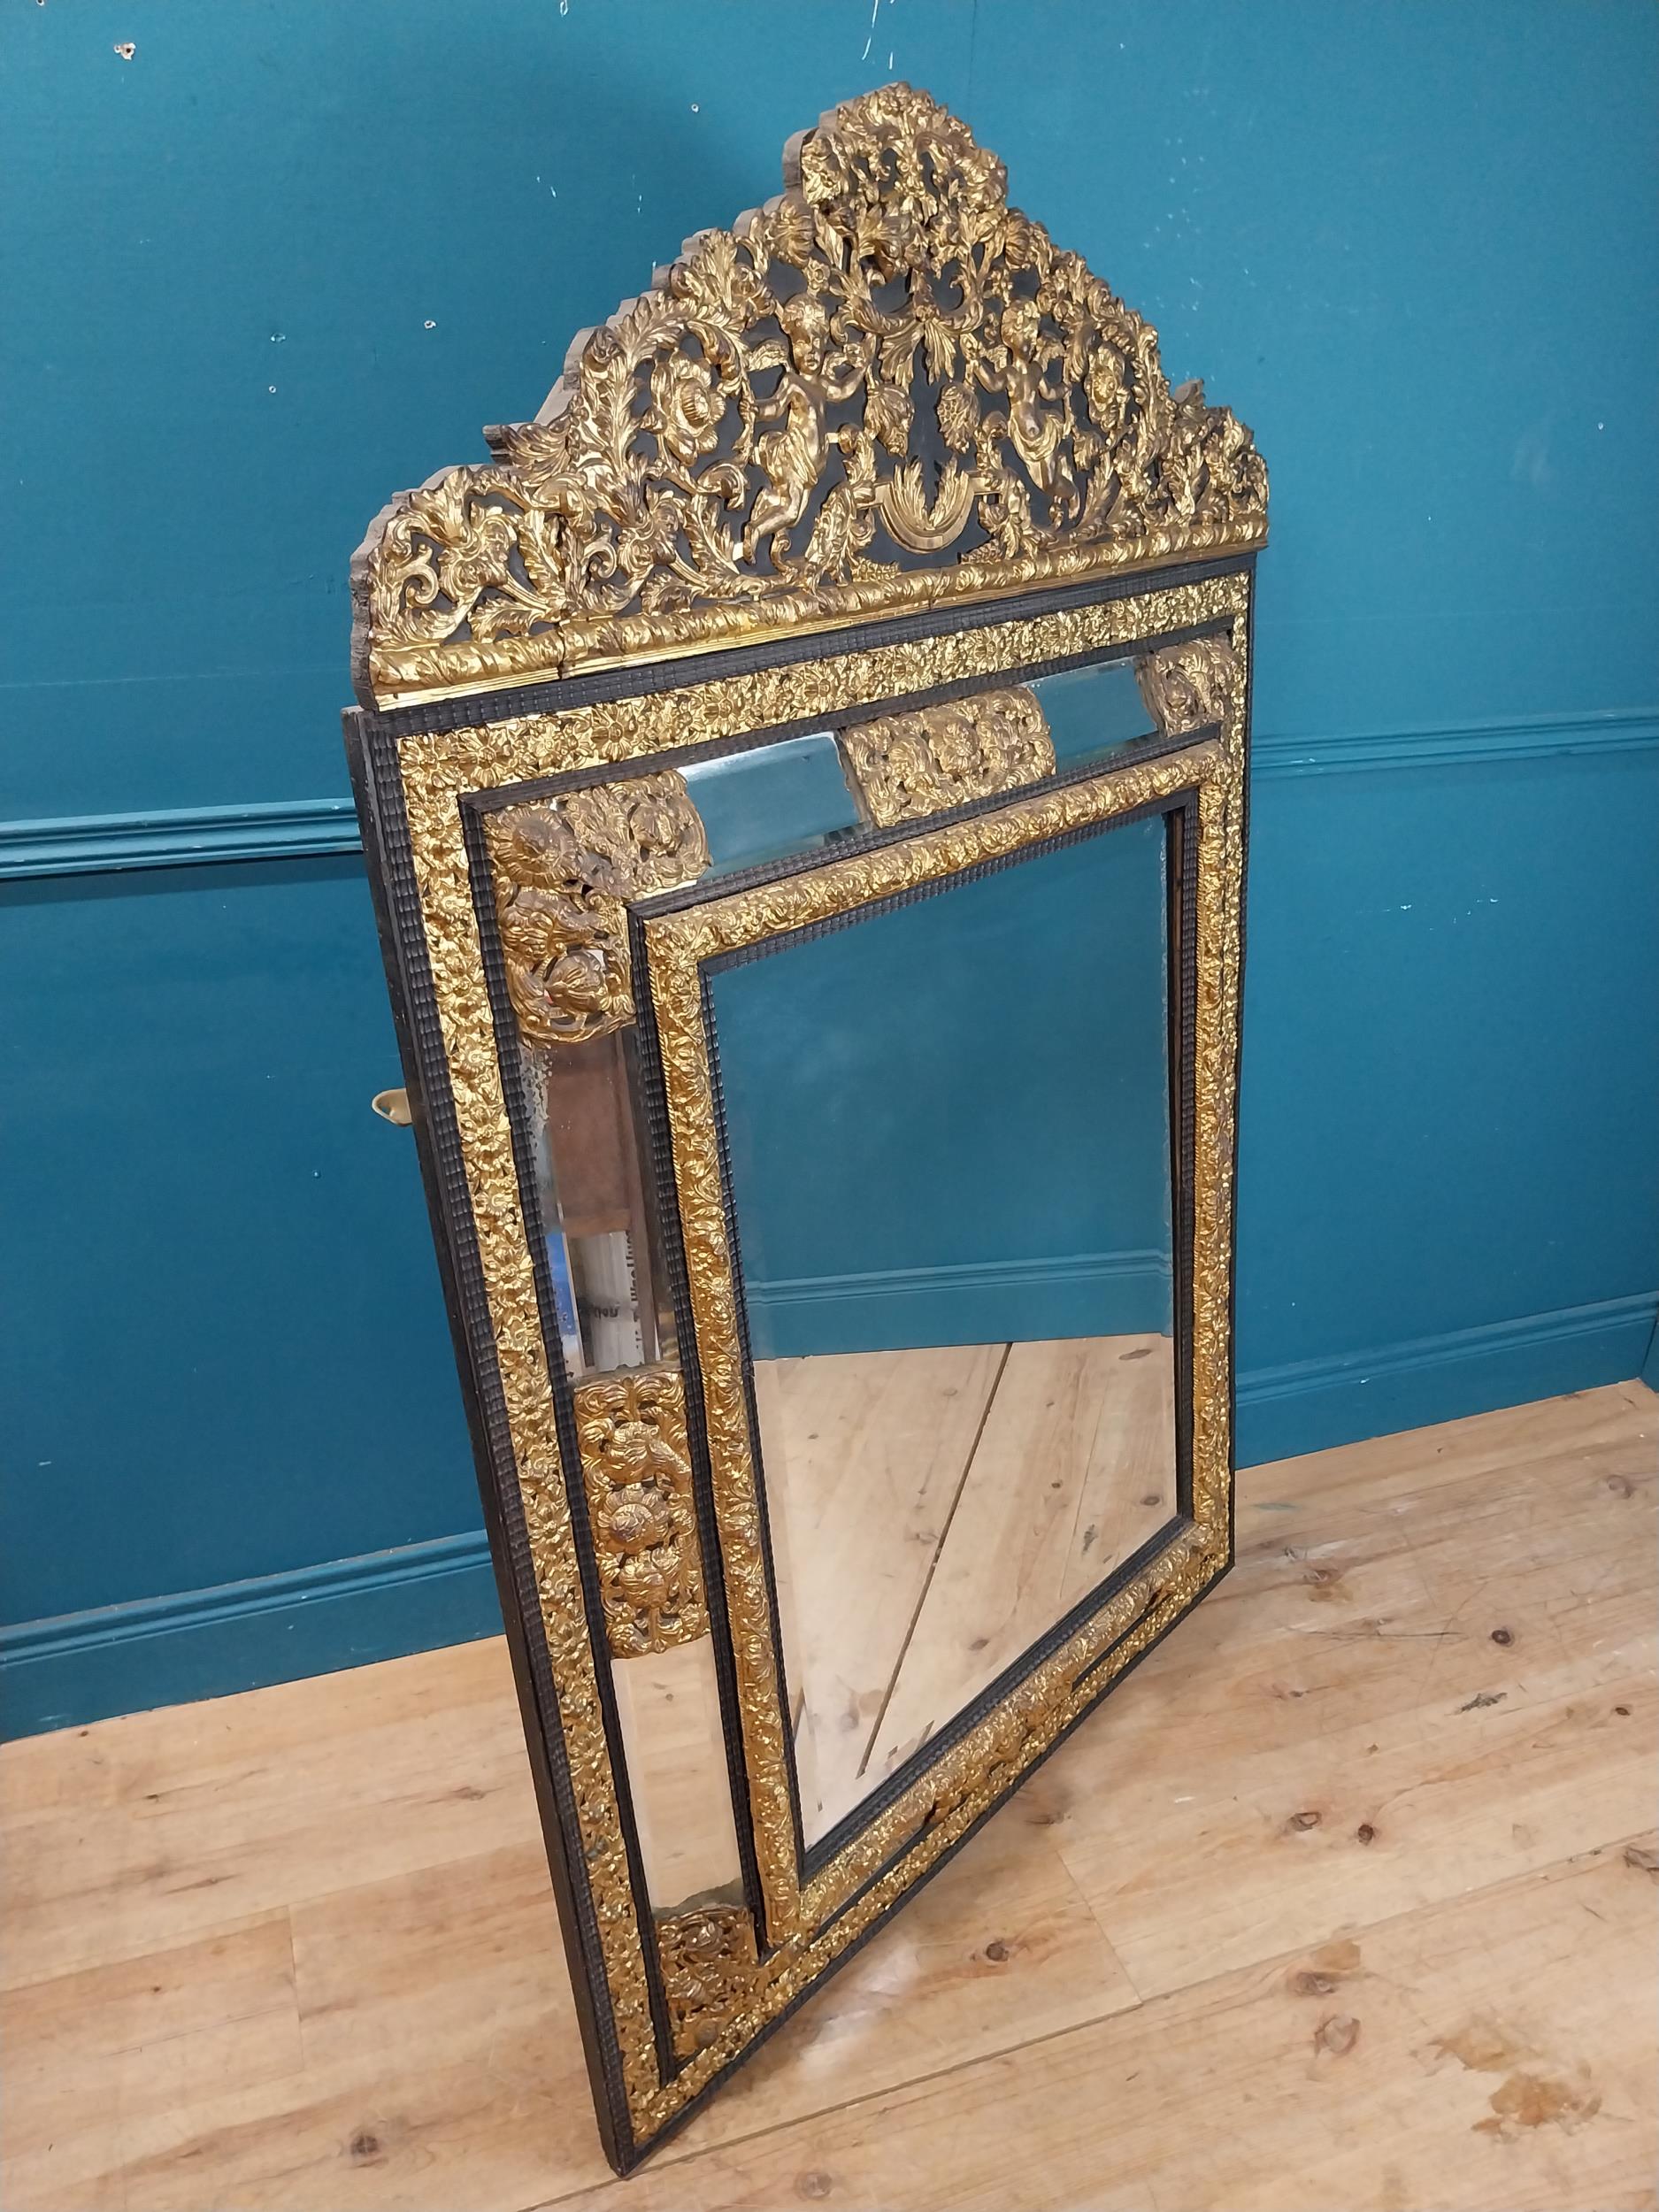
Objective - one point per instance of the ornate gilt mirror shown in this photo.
(803, 780)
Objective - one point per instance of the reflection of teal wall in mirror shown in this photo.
(1089, 711)
(1411, 246)
(777, 800)
(948, 1122)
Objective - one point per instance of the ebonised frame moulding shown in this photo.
(862, 513)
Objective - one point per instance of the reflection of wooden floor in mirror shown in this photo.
(668, 1703)
(934, 1512)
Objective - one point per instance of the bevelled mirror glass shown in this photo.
(802, 776)
(949, 1169)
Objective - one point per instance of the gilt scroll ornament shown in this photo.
(884, 389)
(564, 871)
(1190, 687)
(905, 766)
(636, 1467)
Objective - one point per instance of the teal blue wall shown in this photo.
(1411, 245)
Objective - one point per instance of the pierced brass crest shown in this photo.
(1190, 687)
(636, 1466)
(709, 1958)
(904, 766)
(743, 447)
(563, 870)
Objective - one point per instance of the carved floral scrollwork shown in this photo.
(1190, 687)
(563, 870)
(707, 1960)
(904, 766)
(885, 366)
(636, 1464)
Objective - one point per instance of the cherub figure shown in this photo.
(1036, 422)
(794, 456)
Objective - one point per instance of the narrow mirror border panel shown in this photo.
(419, 779)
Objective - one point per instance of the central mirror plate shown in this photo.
(947, 1128)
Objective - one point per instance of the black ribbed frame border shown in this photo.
(371, 741)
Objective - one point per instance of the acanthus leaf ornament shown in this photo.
(744, 447)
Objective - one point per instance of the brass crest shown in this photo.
(563, 870)
(636, 1467)
(746, 446)
(904, 766)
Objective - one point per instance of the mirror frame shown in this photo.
(463, 733)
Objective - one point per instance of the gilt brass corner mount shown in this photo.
(563, 873)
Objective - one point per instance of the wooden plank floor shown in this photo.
(1347, 1901)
